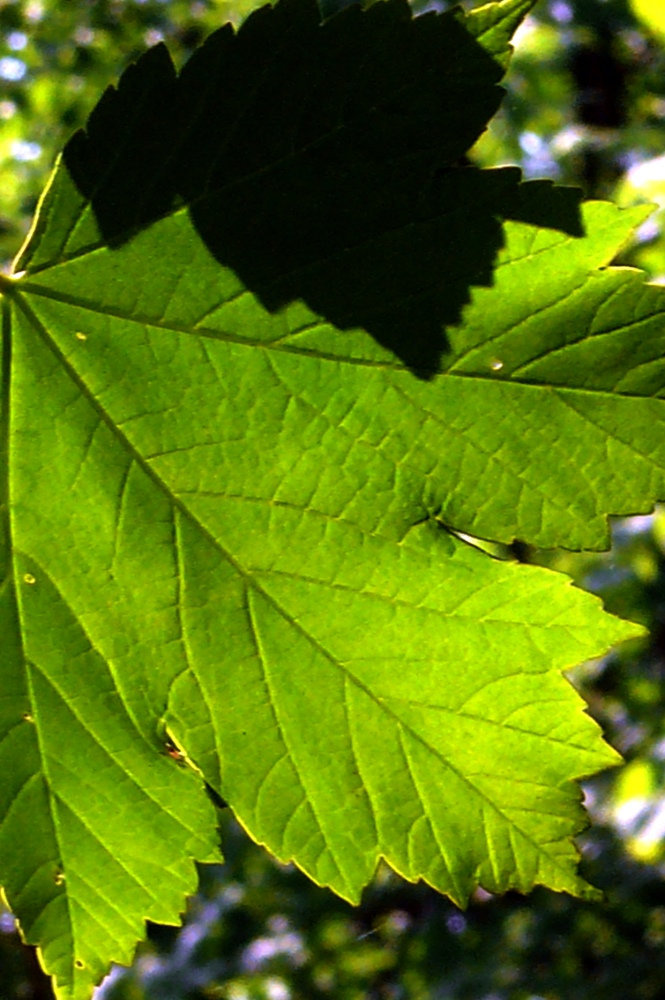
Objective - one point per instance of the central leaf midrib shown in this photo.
(25, 285)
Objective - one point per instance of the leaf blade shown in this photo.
(256, 430)
(95, 758)
(262, 572)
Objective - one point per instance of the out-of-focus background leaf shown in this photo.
(585, 105)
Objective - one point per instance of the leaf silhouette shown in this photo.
(320, 162)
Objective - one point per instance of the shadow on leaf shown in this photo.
(322, 163)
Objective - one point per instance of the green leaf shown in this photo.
(575, 349)
(299, 161)
(536, 430)
(390, 695)
(98, 826)
(255, 346)
(493, 25)
(282, 627)
(299, 277)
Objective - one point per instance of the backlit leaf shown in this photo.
(269, 331)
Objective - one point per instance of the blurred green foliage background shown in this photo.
(585, 105)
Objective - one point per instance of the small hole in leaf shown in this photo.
(81, 336)
(79, 964)
(28, 578)
(27, 717)
(59, 878)
(496, 364)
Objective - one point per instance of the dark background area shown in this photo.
(585, 105)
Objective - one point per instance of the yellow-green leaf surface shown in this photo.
(266, 332)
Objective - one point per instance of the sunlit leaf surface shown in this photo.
(268, 337)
